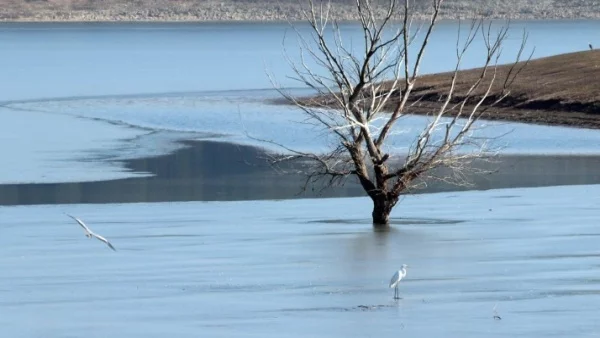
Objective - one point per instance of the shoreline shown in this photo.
(553, 90)
(228, 11)
(257, 21)
(550, 118)
(111, 20)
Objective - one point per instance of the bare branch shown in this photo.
(354, 90)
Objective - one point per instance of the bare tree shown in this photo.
(361, 97)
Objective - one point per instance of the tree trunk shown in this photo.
(382, 207)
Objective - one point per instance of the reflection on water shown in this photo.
(217, 171)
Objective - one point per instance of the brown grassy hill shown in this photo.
(558, 90)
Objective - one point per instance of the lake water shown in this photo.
(153, 82)
(84, 103)
(69, 60)
(304, 269)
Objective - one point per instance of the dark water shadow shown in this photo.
(161, 236)
(582, 235)
(358, 308)
(564, 256)
(220, 171)
(202, 171)
(530, 295)
(155, 221)
(513, 220)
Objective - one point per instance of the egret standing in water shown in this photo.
(396, 280)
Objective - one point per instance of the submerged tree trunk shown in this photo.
(382, 207)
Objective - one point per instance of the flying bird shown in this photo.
(591, 47)
(396, 280)
(89, 233)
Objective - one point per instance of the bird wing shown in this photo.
(103, 240)
(87, 230)
(395, 279)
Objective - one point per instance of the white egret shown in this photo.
(89, 233)
(496, 315)
(396, 280)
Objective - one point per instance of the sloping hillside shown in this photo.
(562, 89)
(557, 90)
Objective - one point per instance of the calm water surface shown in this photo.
(66, 60)
(79, 140)
(307, 268)
(87, 102)
(126, 91)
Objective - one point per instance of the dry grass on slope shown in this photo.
(559, 90)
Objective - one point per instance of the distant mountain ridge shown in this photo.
(273, 10)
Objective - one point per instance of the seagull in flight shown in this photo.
(89, 233)
(396, 278)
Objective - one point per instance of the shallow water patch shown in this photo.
(393, 221)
